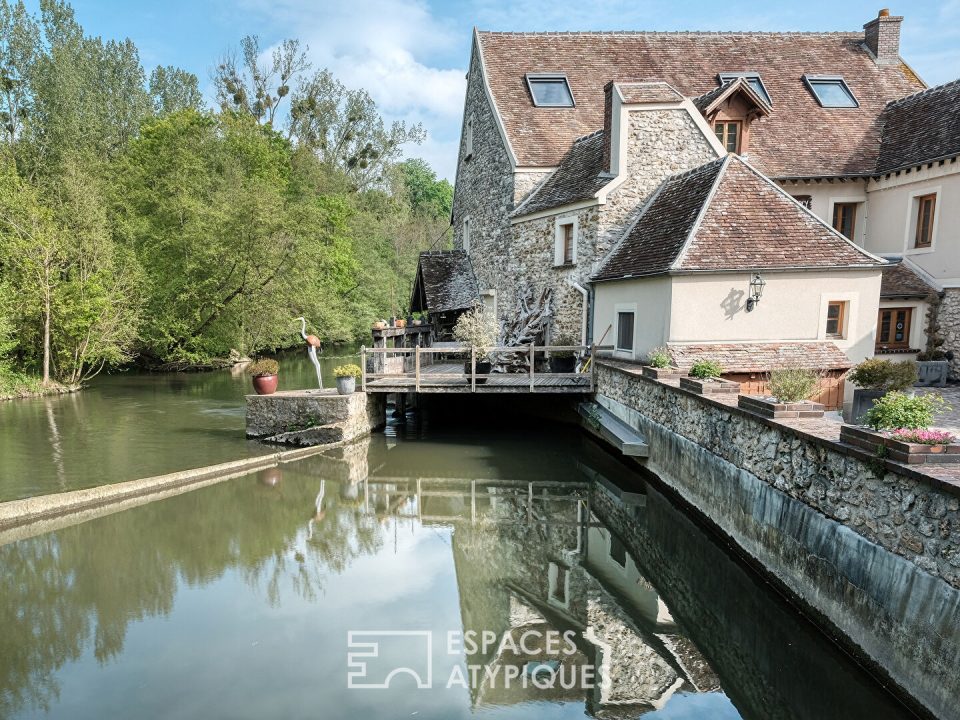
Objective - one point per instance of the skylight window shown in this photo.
(550, 90)
(753, 79)
(831, 91)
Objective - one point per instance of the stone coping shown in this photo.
(819, 431)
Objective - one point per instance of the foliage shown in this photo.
(660, 358)
(425, 194)
(349, 370)
(935, 339)
(477, 328)
(564, 340)
(878, 374)
(897, 410)
(793, 384)
(265, 366)
(923, 437)
(705, 369)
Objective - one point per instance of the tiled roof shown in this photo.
(648, 92)
(799, 138)
(445, 281)
(899, 281)
(762, 357)
(727, 216)
(577, 178)
(921, 127)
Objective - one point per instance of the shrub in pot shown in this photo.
(659, 358)
(346, 376)
(705, 370)
(874, 378)
(897, 410)
(791, 384)
(264, 374)
(477, 328)
(563, 361)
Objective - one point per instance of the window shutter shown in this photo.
(558, 244)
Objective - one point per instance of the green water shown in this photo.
(236, 600)
(130, 425)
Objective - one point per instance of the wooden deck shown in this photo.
(426, 370)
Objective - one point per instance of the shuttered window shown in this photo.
(926, 207)
(893, 328)
(625, 331)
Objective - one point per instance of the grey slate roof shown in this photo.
(725, 215)
(920, 127)
(444, 281)
(577, 178)
(899, 281)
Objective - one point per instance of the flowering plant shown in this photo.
(923, 437)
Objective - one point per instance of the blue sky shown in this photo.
(411, 55)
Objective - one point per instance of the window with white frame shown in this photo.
(924, 214)
(550, 90)
(465, 235)
(468, 139)
(565, 242)
(625, 321)
(831, 91)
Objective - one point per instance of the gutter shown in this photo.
(586, 301)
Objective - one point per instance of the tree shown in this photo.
(425, 194)
(173, 89)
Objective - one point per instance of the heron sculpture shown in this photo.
(313, 345)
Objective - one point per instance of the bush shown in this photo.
(659, 358)
(266, 366)
(897, 410)
(790, 384)
(478, 329)
(350, 370)
(564, 340)
(706, 369)
(877, 374)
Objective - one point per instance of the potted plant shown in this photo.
(264, 374)
(380, 325)
(563, 361)
(705, 379)
(659, 365)
(874, 378)
(898, 426)
(477, 329)
(401, 322)
(790, 390)
(933, 364)
(346, 376)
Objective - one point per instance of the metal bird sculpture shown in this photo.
(313, 345)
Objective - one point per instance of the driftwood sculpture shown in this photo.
(528, 326)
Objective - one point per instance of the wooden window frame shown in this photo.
(839, 207)
(726, 133)
(841, 320)
(567, 241)
(922, 200)
(904, 344)
(633, 325)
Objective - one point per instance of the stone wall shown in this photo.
(660, 143)
(872, 552)
(484, 188)
(313, 417)
(948, 315)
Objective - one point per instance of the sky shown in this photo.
(412, 55)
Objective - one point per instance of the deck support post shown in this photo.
(416, 367)
(473, 368)
(363, 368)
(531, 366)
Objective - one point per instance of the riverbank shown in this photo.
(18, 387)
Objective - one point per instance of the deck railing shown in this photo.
(415, 359)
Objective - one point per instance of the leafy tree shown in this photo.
(173, 89)
(425, 193)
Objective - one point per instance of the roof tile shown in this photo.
(762, 357)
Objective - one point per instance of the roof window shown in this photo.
(752, 78)
(831, 91)
(550, 90)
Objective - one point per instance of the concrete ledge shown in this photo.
(310, 417)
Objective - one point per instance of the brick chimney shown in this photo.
(607, 123)
(882, 37)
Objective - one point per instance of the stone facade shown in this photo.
(873, 552)
(660, 143)
(313, 417)
(484, 190)
(948, 315)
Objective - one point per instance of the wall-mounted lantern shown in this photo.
(757, 284)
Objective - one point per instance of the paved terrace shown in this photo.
(944, 475)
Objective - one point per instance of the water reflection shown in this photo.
(235, 600)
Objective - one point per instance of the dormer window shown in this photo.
(550, 90)
(831, 91)
(752, 78)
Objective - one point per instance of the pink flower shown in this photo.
(923, 437)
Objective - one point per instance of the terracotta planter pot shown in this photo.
(265, 384)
